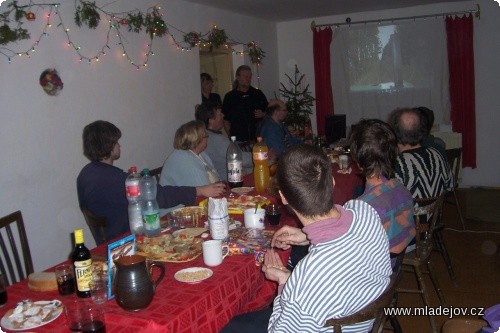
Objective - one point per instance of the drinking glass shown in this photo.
(65, 279)
(84, 316)
(273, 214)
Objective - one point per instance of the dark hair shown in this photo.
(374, 147)
(429, 116)
(99, 139)
(206, 77)
(305, 179)
(205, 111)
(413, 130)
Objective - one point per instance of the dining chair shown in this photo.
(454, 160)
(426, 210)
(373, 310)
(13, 267)
(97, 225)
(156, 172)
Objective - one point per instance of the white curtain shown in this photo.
(378, 68)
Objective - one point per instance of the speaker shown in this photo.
(335, 127)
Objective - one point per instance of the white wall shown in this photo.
(40, 135)
(295, 46)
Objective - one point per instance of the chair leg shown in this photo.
(435, 282)
(425, 298)
(459, 209)
(438, 240)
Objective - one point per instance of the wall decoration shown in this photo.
(51, 82)
(88, 14)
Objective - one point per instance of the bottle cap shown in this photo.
(233, 138)
(79, 236)
(133, 169)
(145, 171)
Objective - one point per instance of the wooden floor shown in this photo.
(475, 255)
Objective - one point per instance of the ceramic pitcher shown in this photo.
(134, 285)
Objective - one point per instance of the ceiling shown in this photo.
(289, 10)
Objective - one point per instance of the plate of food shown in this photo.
(193, 274)
(242, 190)
(238, 204)
(181, 247)
(189, 232)
(191, 216)
(28, 314)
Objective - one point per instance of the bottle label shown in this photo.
(234, 174)
(133, 189)
(260, 156)
(219, 227)
(152, 220)
(83, 274)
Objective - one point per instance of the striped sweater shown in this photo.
(338, 277)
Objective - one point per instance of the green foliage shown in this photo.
(299, 101)
(87, 13)
(7, 34)
(255, 53)
(135, 22)
(217, 37)
(155, 26)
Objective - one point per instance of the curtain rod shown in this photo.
(477, 14)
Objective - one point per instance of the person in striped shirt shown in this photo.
(348, 264)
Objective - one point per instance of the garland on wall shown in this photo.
(88, 14)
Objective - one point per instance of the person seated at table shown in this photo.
(423, 170)
(101, 185)
(430, 140)
(211, 115)
(188, 164)
(347, 267)
(207, 84)
(374, 148)
(273, 129)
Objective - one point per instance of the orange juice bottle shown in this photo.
(260, 166)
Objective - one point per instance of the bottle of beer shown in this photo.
(82, 263)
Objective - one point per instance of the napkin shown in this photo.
(218, 218)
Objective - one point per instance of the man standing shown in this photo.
(243, 107)
(423, 170)
(101, 186)
(273, 130)
(211, 115)
(348, 263)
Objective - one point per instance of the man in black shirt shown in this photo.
(243, 107)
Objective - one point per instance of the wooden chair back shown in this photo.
(97, 225)
(156, 172)
(13, 246)
(374, 310)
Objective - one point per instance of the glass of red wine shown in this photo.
(84, 316)
(273, 214)
(65, 279)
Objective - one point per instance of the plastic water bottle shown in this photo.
(261, 167)
(133, 190)
(150, 209)
(234, 159)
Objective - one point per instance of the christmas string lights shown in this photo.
(87, 13)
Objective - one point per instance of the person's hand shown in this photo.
(258, 113)
(211, 190)
(273, 267)
(287, 236)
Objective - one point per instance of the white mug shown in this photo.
(343, 162)
(254, 218)
(213, 252)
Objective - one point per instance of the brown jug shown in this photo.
(134, 286)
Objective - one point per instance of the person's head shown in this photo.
(243, 77)
(305, 180)
(210, 114)
(429, 117)
(277, 110)
(409, 125)
(374, 147)
(191, 136)
(100, 141)
(207, 83)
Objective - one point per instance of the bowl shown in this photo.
(187, 217)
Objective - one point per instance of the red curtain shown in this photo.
(462, 94)
(324, 97)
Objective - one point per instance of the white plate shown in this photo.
(189, 275)
(193, 232)
(242, 190)
(6, 323)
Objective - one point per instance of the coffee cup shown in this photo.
(214, 252)
(254, 218)
(343, 162)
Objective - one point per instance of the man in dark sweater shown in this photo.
(101, 186)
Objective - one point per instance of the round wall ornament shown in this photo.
(51, 82)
